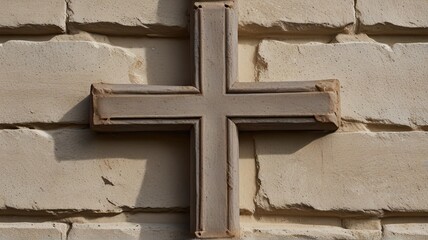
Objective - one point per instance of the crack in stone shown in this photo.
(107, 182)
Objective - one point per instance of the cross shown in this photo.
(213, 110)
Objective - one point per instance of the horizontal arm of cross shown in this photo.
(319, 101)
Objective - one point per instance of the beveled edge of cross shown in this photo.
(325, 121)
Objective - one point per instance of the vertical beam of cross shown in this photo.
(215, 41)
(213, 110)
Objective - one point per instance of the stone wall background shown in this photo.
(59, 180)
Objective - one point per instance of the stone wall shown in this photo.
(60, 180)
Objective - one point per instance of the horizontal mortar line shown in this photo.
(43, 126)
(338, 213)
(93, 217)
(303, 38)
(66, 213)
(384, 127)
(169, 31)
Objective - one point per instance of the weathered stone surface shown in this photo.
(169, 17)
(32, 17)
(393, 16)
(362, 224)
(24, 231)
(131, 17)
(367, 234)
(361, 173)
(50, 81)
(295, 16)
(347, 38)
(127, 231)
(300, 231)
(81, 170)
(410, 231)
(379, 84)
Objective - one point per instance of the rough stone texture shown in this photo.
(367, 234)
(359, 173)
(347, 38)
(34, 231)
(32, 17)
(127, 231)
(81, 170)
(295, 16)
(393, 16)
(50, 81)
(410, 231)
(379, 84)
(361, 224)
(131, 17)
(298, 231)
(169, 17)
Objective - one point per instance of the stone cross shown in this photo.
(213, 110)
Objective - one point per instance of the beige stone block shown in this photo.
(34, 231)
(295, 16)
(379, 84)
(131, 17)
(362, 224)
(127, 231)
(367, 234)
(409, 231)
(247, 51)
(393, 16)
(367, 229)
(50, 81)
(76, 170)
(343, 173)
(347, 38)
(301, 231)
(32, 17)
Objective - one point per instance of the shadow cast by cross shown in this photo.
(134, 173)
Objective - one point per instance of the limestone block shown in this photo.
(346, 38)
(344, 173)
(50, 81)
(393, 16)
(295, 16)
(131, 17)
(300, 231)
(367, 234)
(32, 17)
(379, 84)
(409, 231)
(76, 170)
(127, 231)
(36, 231)
(361, 224)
